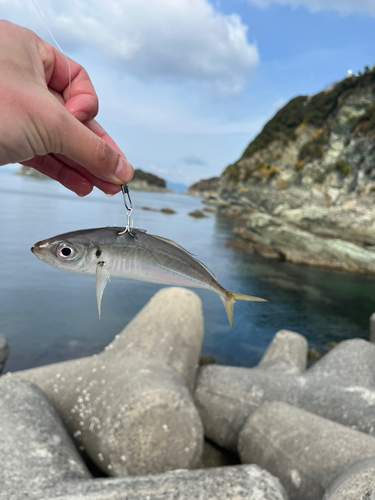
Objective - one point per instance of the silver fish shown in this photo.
(109, 252)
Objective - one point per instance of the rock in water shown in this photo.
(131, 405)
(302, 247)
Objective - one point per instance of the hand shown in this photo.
(47, 124)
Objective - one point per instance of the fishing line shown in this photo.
(124, 187)
(57, 45)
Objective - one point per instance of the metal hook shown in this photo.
(128, 207)
(126, 195)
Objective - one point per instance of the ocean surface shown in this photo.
(48, 315)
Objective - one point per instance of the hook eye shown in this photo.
(126, 195)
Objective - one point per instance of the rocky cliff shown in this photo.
(204, 187)
(142, 181)
(305, 186)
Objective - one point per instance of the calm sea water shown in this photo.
(48, 315)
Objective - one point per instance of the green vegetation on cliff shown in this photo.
(313, 111)
(151, 179)
(313, 148)
(366, 122)
(211, 184)
(281, 126)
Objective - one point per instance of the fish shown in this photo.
(113, 252)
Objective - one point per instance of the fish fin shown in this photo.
(171, 242)
(101, 280)
(229, 299)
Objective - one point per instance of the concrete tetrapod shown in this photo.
(286, 353)
(357, 482)
(226, 396)
(352, 360)
(305, 451)
(4, 352)
(372, 327)
(130, 407)
(36, 452)
(243, 482)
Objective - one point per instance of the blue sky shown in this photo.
(184, 85)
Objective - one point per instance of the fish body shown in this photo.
(111, 252)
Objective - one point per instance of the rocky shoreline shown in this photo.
(141, 185)
(274, 237)
(142, 410)
(142, 181)
(304, 188)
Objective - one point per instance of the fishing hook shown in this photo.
(128, 207)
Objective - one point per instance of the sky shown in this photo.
(185, 85)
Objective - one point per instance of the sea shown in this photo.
(48, 315)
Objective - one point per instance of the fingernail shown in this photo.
(123, 170)
(81, 116)
(109, 195)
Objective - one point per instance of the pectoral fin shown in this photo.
(102, 278)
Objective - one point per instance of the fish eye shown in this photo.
(66, 251)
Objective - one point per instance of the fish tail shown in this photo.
(229, 299)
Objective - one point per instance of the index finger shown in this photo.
(75, 86)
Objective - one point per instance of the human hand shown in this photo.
(47, 125)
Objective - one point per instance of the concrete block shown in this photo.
(352, 360)
(372, 327)
(226, 396)
(347, 404)
(357, 482)
(305, 451)
(36, 452)
(130, 407)
(4, 352)
(243, 482)
(287, 353)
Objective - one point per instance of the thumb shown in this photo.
(83, 146)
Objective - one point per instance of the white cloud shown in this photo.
(193, 160)
(184, 39)
(345, 7)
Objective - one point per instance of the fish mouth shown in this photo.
(38, 248)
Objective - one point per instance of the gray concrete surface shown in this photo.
(305, 451)
(286, 353)
(372, 327)
(226, 396)
(357, 482)
(243, 482)
(130, 406)
(352, 360)
(4, 352)
(36, 452)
